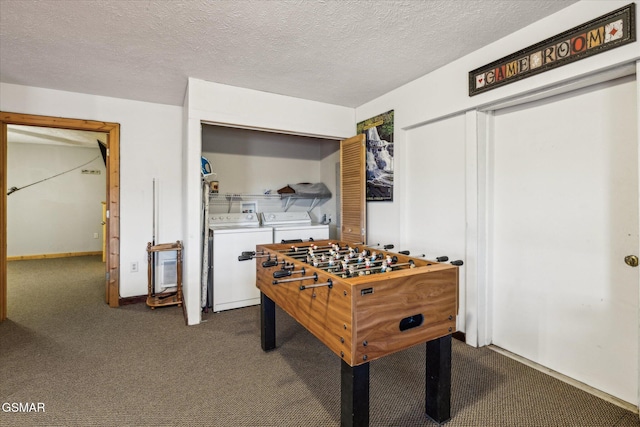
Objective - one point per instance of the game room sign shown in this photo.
(607, 32)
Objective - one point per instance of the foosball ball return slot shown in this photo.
(364, 303)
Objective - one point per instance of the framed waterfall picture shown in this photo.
(379, 134)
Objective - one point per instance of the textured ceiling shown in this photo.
(340, 52)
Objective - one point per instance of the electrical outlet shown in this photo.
(134, 267)
(95, 235)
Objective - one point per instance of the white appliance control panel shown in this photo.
(285, 218)
(234, 220)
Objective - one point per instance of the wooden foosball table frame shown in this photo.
(365, 317)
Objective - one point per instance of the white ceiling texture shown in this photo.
(340, 52)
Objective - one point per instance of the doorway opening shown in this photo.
(112, 220)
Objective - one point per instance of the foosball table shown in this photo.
(364, 303)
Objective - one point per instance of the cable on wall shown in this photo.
(14, 189)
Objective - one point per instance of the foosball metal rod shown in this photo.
(295, 279)
(285, 241)
(385, 247)
(275, 262)
(325, 248)
(328, 283)
(389, 267)
(255, 254)
(249, 255)
(354, 261)
(296, 248)
(303, 250)
(323, 251)
(411, 264)
(284, 273)
(349, 257)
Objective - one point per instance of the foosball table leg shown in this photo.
(267, 323)
(354, 391)
(438, 379)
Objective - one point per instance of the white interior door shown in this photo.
(563, 208)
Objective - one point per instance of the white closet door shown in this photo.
(564, 207)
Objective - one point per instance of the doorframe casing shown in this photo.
(112, 281)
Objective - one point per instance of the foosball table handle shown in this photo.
(281, 273)
(458, 262)
(270, 263)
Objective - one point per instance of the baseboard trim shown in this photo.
(460, 336)
(47, 256)
(133, 300)
(582, 386)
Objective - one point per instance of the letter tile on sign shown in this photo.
(491, 77)
(549, 54)
(563, 49)
(578, 44)
(613, 31)
(595, 37)
(512, 69)
(536, 59)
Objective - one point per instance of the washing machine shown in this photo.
(294, 226)
(232, 283)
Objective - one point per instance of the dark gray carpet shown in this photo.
(96, 366)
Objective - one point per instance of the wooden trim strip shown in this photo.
(113, 220)
(133, 300)
(460, 336)
(3, 221)
(47, 256)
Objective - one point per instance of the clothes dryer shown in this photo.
(294, 226)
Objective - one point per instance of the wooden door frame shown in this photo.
(112, 282)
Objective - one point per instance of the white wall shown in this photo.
(444, 93)
(58, 215)
(150, 136)
(434, 217)
(252, 162)
(215, 103)
(250, 174)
